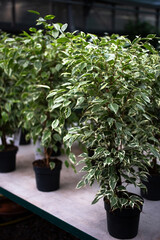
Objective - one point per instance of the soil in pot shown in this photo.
(153, 186)
(46, 179)
(122, 223)
(8, 159)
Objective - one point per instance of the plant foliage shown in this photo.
(110, 80)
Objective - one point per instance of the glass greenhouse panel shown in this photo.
(5, 11)
(22, 7)
(99, 20)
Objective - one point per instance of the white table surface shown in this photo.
(68, 207)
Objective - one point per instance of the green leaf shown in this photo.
(72, 158)
(67, 112)
(81, 184)
(140, 107)
(108, 161)
(43, 118)
(55, 33)
(151, 36)
(99, 150)
(29, 116)
(37, 131)
(96, 199)
(84, 169)
(55, 106)
(46, 136)
(40, 21)
(64, 27)
(67, 137)
(4, 116)
(145, 97)
(149, 47)
(119, 126)
(32, 29)
(123, 201)
(49, 17)
(58, 67)
(52, 165)
(113, 107)
(110, 121)
(37, 65)
(42, 86)
(121, 155)
(147, 117)
(109, 57)
(35, 12)
(8, 107)
(80, 100)
(59, 99)
(154, 152)
(57, 26)
(90, 174)
(66, 103)
(51, 94)
(55, 123)
(112, 182)
(121, 188)
(63, 40)
(66, 164)
(57, 137)
(113, 201)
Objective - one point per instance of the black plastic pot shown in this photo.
(124, 223)
(153, 188)
(23, 140)
(46, 179)
(8, 159)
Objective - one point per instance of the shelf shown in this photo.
(69, 208)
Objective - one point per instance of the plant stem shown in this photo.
(119, 183)
(47, 156)
(3, 138)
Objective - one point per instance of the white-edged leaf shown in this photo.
(108, 161)
(113, 107)
(55, 123)
(64, 27)
(72, 158)
(52, 165)
(42, 86)
(37, 65)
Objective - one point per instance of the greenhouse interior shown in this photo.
(79, 119)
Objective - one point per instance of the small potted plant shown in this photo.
(110, 79)
(42, 72)
(10, 104)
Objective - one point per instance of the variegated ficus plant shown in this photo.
(10, 102)
(110, 80)
(41, 61)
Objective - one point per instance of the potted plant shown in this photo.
(110, 79)
(10, 104)
(42, 72)
(152, 183)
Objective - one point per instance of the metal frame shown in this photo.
(113, 6)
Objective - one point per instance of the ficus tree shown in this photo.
(41, 55)
(10, 102)
(153, 111)
(110, 79)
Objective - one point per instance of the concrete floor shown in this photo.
(69, 205)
